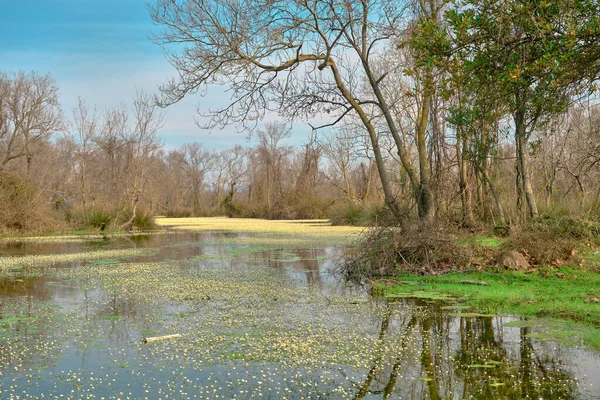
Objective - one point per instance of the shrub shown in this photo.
(144, 221)
(22, 207)
(419, 249)
(99, 219)
(547, 240)
(576, 228)
(346, 213)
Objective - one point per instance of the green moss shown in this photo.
(488, 241)
(558, 293)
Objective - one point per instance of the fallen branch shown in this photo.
(158, 338)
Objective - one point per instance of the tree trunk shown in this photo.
(465, 197)
(424, 194)
(490, 184)
(129, 224)
(389, 199)
(522, 160)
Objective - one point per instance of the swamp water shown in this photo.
(255, 323)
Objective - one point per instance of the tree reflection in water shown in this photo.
(423, 351)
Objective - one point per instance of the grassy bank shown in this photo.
(553, 293)
(557, 276)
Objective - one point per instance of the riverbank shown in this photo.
(567, 293)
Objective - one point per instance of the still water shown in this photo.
(255, 323)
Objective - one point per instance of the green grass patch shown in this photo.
(555, 293)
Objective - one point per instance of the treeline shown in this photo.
(109, 168)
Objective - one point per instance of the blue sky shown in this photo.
(100, 50)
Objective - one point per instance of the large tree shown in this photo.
(304, 58)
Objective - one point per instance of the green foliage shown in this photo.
(99, 219)
(430, 43)
(534, 54)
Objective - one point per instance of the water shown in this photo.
(255, 323)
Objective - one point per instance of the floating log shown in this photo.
(157, 338)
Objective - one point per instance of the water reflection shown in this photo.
(441, 356)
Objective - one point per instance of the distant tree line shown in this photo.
(109, 167)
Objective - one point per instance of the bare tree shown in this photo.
(142, 144)
(340, 148)
(86, 126)
(301, 59)
(271, 153)
(110, 142)
(235, 173)
(31, 113)
(197, 163)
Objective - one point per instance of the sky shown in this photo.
(100, 50)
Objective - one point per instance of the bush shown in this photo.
(576, 228)
(99, 219)
(419, 249)
(547, 240)
(22, 207)
(346, 213)
(144, 221)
